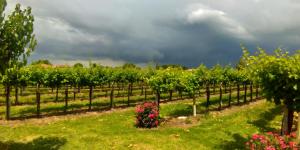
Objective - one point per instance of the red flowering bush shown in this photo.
(272, 141)
(147, 115)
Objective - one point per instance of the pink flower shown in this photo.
(146, 105)
(293, 134)
(147, 115)
(263, 141)
(151, 116)
(139, 109)
(283, 145)
(292, 144)
(270, 148)
(255, 136)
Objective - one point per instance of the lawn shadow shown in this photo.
(237, 143)
(41, 143)
(264, 118)
(187, 110)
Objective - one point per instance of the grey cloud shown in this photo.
(188, 32)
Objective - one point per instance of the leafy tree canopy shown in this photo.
(41, 61)
(17, 40)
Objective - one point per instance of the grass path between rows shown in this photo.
(227, 129)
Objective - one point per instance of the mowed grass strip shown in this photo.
(226, 129)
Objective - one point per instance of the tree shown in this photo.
(217, 77)
(130, 75)
(204, 76)
(2, 6)
(41, 61)
(179, 66)
(36, 77)
(78, 65)
(164, 81)
(243, 60)
(190, 83)
(229, 79)
(17, 41)
(278, 75)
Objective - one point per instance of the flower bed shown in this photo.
(272, 141)
(147, 115)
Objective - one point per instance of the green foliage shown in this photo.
(17, 39)
(78, 65)
(2, 6)
(36, 75)
(243, 60)
(189, 82)
(178, 66)
(129, 65)
(278, 73)
(203, 74)
(41, 61)
(165, 80)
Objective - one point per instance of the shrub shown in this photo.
(147, 115)
(272, 141)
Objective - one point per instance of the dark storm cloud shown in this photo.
(186, 32)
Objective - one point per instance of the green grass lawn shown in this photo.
(115, 130)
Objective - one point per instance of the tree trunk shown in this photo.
(8, 102)
(119, 87)
(287, 121)
(230, 92)
(238, 93)
(221, 95)
(56, 98)
(145, 92)
(112, 97)
(180, 93)
(38, 100)
(16, 95)
(290, 120)
(207, 96)
(171, 94)
(194, 106)
(128, 95)
(131, 89)
(90, 97)
(245, 93)
(158, 99)
(66, 98)
(256, 91)
(251, 92)
(298, 128)
(123, 93)
(74, 93)
(142, 89)
(214, 88)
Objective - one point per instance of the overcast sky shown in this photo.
(188, 32)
